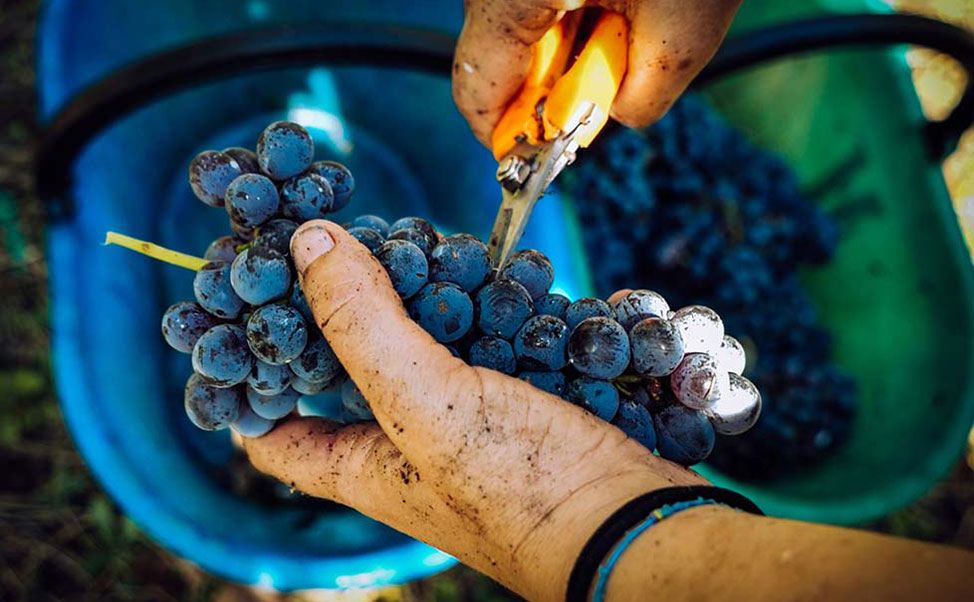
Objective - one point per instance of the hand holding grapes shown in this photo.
(670, 41)
(479, 464)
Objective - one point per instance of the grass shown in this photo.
(61, 537)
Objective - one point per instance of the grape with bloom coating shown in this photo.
(284, 149)
(245, 158)
(698, 382)
(731, 355)
(541, 344)
(251, 200)
(549, 381)
(298, 302)
(184, 323)
(214, 291)
(260, 275)
(406, 265)
(551, 304)
(532, 270)
(268, 379)
(223, 249)
(306, 197)
(371, 221)
(425, 242)
(444, 310)
(595, 395)
(502, 307)
(638, 305)
(276, 333)
(276, 235)
(461, 259)
(657, 347)
(339, 179)
(683, 435)
(738, 409)
(701, 328)
(272, 407)
(368, 237)
(249, 424)
(221, 357)
(210, 172)
(635, 421)
(494, 353)
(210, 408)
(586, 307)
(317, 363)
(599, 347)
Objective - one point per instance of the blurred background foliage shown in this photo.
(61, 538)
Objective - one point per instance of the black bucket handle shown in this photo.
(220, 57)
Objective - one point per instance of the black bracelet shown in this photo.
(623, 519)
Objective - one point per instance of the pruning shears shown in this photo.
(556, 112)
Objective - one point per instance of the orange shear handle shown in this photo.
(553, 100)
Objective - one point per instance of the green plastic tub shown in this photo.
(899, 295)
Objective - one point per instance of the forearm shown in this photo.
(714, 553)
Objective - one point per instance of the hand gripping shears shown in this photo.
(556, 112)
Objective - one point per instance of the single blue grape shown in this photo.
(406, 265)
(223, 249)
(635, 421)
(272, 407)
(276, 235)
(268, 379)
(284, 149)
(368, 237)
(461, 259)
(599, 347)
(597, 396)
(541, 343)
(494, 353)
(307, 387)
(444, 310)
(532, 270)
(685, 436)
(317, 363)
(221, 356)
(502, 307)
(276, 333)
(551, 304)
(339, 178)
(738, 409)
(639, 305)
(552, 382)
(184, 323)
(298, 302)
(213, 289)
(251, 200)
(587, 307)
(210, 172)
(355, 403)
(306, 197)
(249, 424)
(245, 158)
(260, 275)
(327, 404)
(417, 237)
(211, 408)
(415, 223)
(371, 221)
(657, 347)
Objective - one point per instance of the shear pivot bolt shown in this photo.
(513, 171)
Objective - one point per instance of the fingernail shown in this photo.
(308, 243)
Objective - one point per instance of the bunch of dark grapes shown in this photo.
(695, 210)
(669, 379)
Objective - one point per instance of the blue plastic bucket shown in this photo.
(120, 385)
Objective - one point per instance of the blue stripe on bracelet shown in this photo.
(665, 511)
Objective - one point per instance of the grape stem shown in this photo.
(155, 251)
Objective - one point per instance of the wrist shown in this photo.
(664, 561)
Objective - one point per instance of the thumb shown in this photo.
(401, 370)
